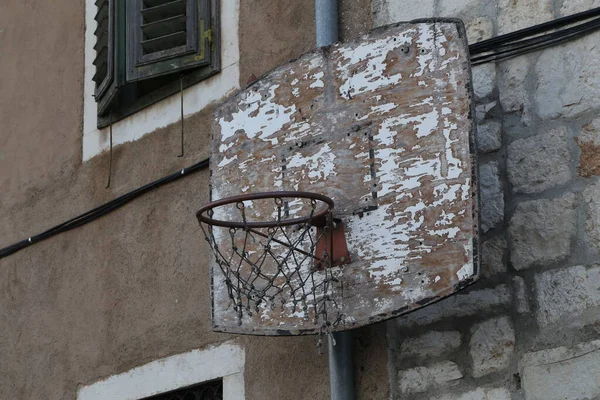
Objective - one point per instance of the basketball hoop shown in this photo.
(401, 170)
(283, 259)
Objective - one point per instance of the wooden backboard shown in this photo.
(383, 126)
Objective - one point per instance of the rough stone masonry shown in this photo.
(530, 329)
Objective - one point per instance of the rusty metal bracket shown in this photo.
(336, 241)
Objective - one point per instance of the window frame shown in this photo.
(167, 111)
(223, 361)
(121, 98)
(203, 386)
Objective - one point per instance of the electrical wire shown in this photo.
(101, 210)
(501, 47)
(490, 44)
(534, 38)
(537, 43)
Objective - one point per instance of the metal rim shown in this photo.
(264, 195)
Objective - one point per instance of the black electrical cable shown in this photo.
(507, 46)
(493, 43)
(500, 47)
(101, 210)
(538, 43)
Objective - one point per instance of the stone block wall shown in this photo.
(530, 328)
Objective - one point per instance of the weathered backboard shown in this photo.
(383, 126)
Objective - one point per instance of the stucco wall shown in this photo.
(41, 96)
(530, 328)
(133, 286)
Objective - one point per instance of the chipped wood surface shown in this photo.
(383, 126)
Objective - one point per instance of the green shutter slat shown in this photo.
(166, 42)
(101, 30)
(101, 41)
(101, 45)
(101, 56)
(164, 27)
(154, 3)
(100, 72)
(164, 11)
(102, 12)
(100, 75)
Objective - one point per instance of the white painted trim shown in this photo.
(167, 111)
(222, 361)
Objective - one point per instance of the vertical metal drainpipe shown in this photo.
(341, 368)
(326, 16)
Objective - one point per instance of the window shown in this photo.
(147, 50)
(216, 370)
(212, 390)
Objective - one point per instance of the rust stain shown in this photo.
(589, 162)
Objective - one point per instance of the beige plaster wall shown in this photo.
(132, 286)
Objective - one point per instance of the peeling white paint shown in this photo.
(468, 269)
(445, 219)
(226, 161)
(465, 271)
(395, 283)
(425, 42)
(373, 76)
(420, 168)
(318, 83)
(378, 109)
(454, 164)
(384, 108)
(225, 147)
(319, 166)
(451, 233)
(261, 118)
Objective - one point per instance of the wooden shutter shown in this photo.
(166, 36)
(148, 44)
(104, 60)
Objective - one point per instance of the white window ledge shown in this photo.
(160, 376)
(166, 111)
